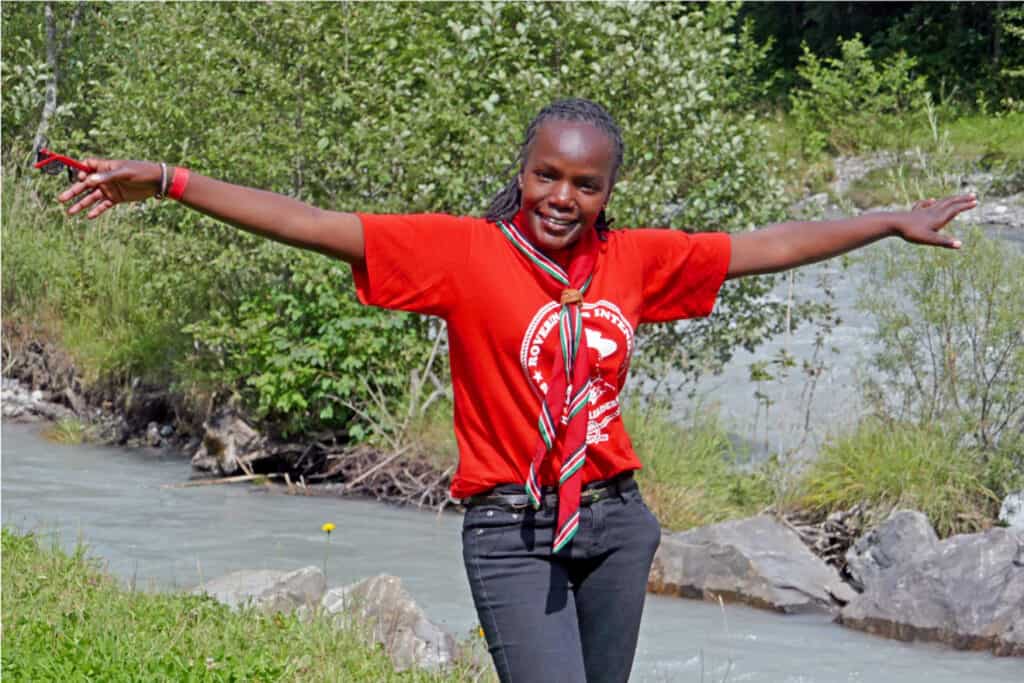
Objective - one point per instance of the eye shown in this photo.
(544, 175)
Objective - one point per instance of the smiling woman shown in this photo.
(542, 301)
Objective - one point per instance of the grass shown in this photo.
(91, 282)
(692, 473)
(68, 431)
(65, 620)
(995, 143)
(891, 185)
(892, 465)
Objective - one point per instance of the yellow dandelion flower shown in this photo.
(328, 527)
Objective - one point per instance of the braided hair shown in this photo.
(506, 202)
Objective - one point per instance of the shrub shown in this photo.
(381, 108)
(852, 103)
(950, 335)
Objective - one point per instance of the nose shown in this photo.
(561, 195)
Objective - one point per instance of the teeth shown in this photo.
(557, 221)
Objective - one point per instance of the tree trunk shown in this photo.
(54, 49)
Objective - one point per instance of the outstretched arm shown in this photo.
(788, 245)
(264, 213)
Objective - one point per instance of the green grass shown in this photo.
(692, 474)
(890, 465)
(975, 136)
(90, 281)
(995, 143)
(892, 185)
(68, 431)
(65, 620)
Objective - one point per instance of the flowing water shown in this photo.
(163, 538)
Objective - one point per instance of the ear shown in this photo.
(519, 180)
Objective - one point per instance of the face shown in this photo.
(565, 182)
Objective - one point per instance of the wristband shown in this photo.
(161, 191)
(178, 183)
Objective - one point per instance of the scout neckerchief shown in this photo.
(568, 393)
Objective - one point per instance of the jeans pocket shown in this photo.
(483, 528)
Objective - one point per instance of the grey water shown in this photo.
(159, 538)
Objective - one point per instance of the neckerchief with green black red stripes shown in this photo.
(564, 405)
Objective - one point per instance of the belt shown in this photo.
(592, 492)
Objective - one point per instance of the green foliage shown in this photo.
(302, 348)
(692, 474)
(892, 464)
(966, 49)
(379, 108)
(951, 344)
(64, 620)
(848, 100)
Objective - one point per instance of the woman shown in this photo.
(541, 301)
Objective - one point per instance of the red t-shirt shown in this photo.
(502, 312)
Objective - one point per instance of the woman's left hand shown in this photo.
(922, 224)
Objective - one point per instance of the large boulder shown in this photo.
(905, 535)
(757, 561)
(381, 604)
(268, 590)
(968, 592)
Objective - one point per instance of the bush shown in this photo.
(381, 108)
(853, 103)
(951, 340)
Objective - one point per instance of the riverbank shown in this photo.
(54, 601)
(160, 538)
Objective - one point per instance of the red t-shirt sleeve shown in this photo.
(682, 272)
(412, 261)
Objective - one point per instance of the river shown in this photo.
(158, 538)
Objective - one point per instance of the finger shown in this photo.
(100, 208)
(75, 190)
(87, 201)
(924, 203)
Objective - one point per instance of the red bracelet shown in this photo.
(178, 182)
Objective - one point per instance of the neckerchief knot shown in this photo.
(571, 296)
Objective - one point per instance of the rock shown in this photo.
(757, 561)
(1011, 512)
(397, 622)
(1005, 211)
(268, 590)
(968, 592)
(905, 535)
(153, 434)
(167, 431)
(226, 439)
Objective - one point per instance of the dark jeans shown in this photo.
(570, 617)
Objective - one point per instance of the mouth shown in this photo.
(557, 225)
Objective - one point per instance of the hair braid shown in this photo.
(505, 203)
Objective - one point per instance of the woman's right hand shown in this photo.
(111, 182)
